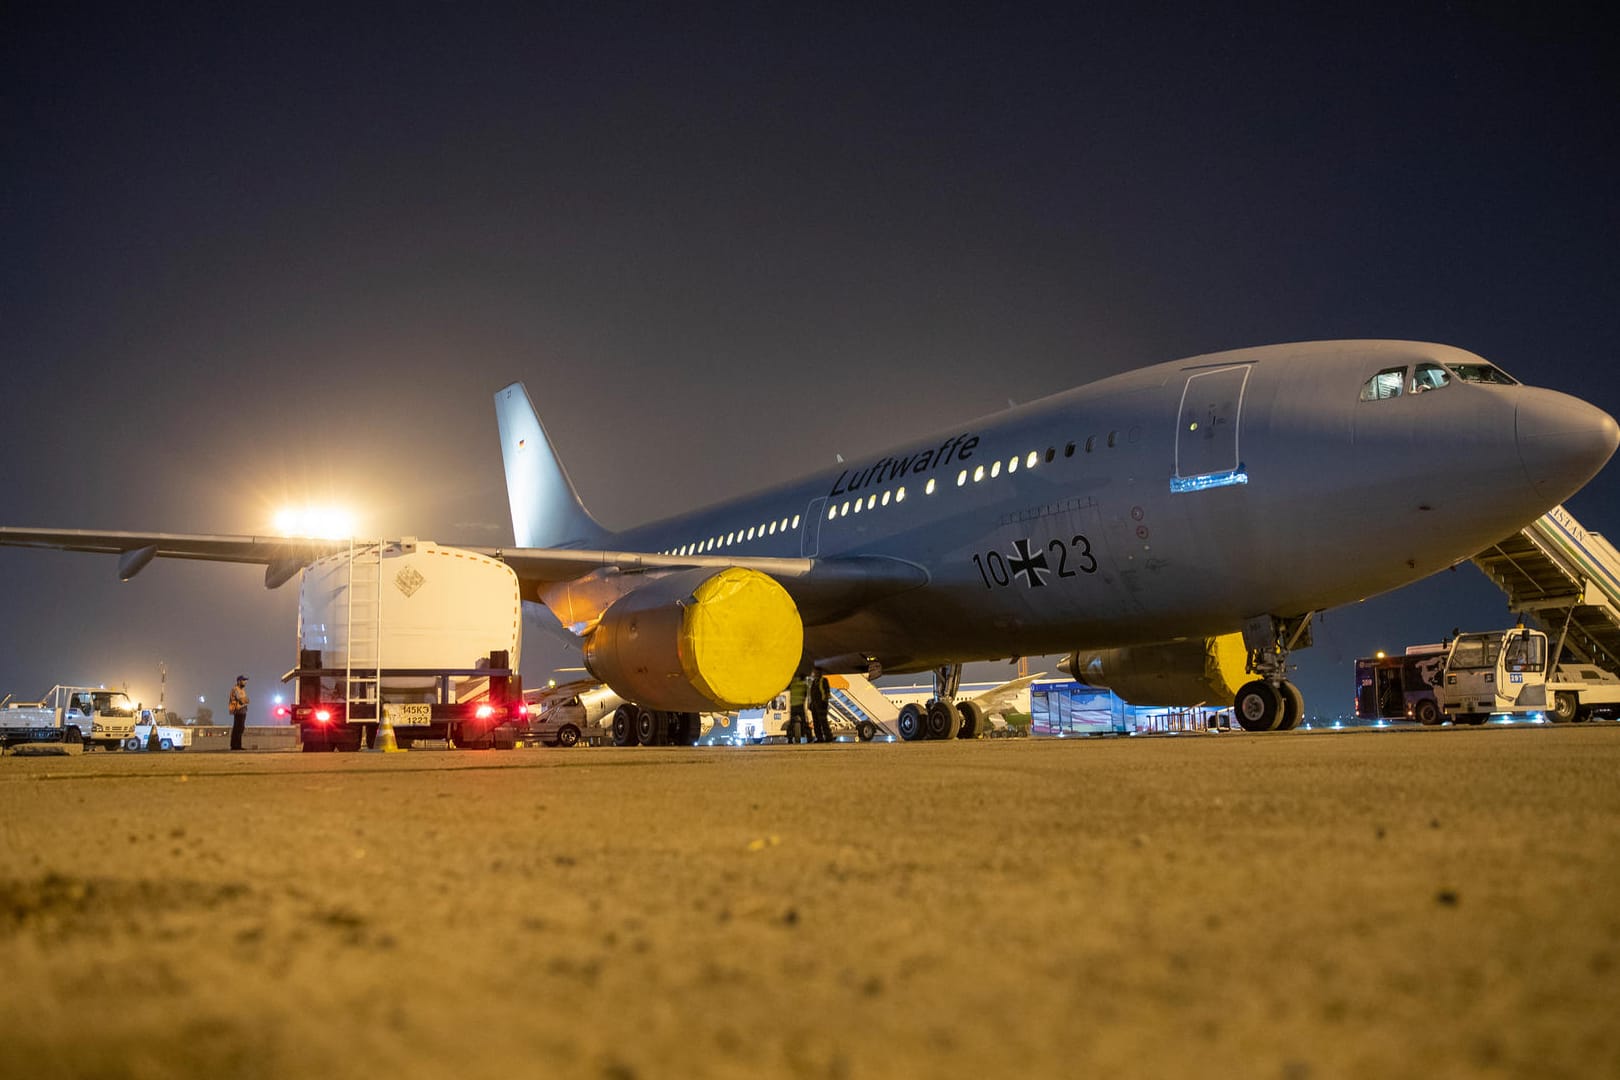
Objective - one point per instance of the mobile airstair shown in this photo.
(1567, 579)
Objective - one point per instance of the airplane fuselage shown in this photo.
(1168, 502)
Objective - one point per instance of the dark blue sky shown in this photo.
(252, 259)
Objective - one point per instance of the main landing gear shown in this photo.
(636, 726)
(941, 717)
(1270, 702)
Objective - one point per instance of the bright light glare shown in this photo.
(315, 522)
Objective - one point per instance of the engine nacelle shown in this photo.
(1207, 671)
(699, 641)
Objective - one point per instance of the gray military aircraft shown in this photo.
(1233, 493)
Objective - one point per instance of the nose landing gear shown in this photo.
(1270, 702)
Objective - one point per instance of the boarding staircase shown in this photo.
(1567, 579)
(855, 700)
(362, 669)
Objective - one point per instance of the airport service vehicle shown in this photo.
(1154, 509)
(572, 713)
(1508, 672)
(430, 634)
(92, 715)
(170, 736)
(1401, 687)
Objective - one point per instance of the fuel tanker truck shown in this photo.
(422, 638)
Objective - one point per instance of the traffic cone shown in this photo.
(385, 737)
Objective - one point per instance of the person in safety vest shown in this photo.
(798, 728)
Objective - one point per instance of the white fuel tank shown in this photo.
(418, 606)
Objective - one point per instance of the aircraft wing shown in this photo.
(281, 556)
(999, 699)
(822, 588)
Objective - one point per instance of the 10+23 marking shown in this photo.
(1031, 564)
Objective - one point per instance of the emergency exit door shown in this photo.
(1207, 448)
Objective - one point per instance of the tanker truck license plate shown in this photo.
(414, 714)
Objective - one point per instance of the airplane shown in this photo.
(1155, 510)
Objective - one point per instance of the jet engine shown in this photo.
(699, 641)
(1204, 671)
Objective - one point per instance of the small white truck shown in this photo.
(1508, 672)
(91, 715)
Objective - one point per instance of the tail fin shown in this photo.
(546, 511)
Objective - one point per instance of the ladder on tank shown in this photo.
(362, 667)
(1567, 579)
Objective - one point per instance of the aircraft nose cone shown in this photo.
(1563, 441)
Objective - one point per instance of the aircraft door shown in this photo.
(1207, 451)
(810, 535)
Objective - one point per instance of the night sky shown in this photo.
(258, 260)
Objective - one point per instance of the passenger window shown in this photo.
(1385, 384)
(1429, 377)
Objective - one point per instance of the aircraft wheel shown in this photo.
(911, 722)
(866, 731)
(1565, 709)
(624, 725)
(650, 725)
(568, 736)
(1258, 706)
(1427, 713)
(1293, 707)
(942, 719)
(972, 720)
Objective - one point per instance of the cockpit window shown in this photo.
(1385, 384)
(1483, 373)
(1429, 377)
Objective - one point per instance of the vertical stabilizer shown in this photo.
(546, 511)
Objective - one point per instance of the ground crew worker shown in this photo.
(798, 729)
(820, 699)
(238, 707)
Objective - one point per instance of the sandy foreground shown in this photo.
(1426, 903)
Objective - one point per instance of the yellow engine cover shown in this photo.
(741, 638)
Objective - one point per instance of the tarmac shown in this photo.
(1291, 906)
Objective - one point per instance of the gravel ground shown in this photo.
(1424, 903)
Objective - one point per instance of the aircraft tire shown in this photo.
(1566, 708)
(972, 721)
(1258, 706)
(624, 725)
(942, 719)
(568, 735)
(1428, 713)
(1293, 707)
(911, 722)
(866, 731)
(651, 726)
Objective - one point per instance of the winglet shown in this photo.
(546, 510)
